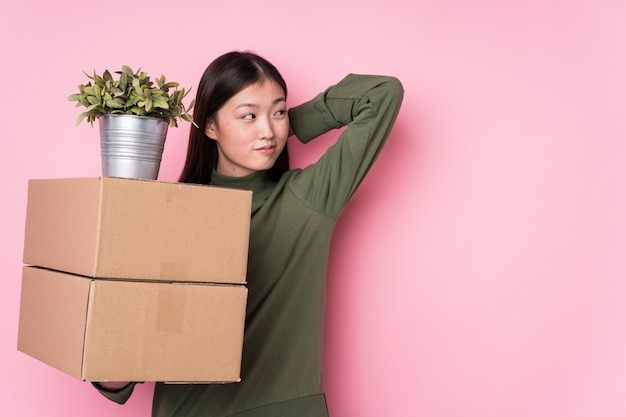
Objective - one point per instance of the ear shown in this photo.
(211, 129)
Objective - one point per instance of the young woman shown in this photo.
(241, 142)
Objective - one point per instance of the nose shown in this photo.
(266, 129)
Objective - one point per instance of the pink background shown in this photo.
(479, 271)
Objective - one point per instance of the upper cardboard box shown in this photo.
(136, 229)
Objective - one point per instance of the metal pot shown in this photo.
(131, 145)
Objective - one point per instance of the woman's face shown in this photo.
(250, 129)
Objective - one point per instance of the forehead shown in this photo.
(263, 93)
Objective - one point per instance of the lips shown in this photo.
(266, 149)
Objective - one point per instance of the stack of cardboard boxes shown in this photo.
(134, 280)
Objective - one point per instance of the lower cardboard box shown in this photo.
(117, 330)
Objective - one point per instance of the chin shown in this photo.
(265, 167)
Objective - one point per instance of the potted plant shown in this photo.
(134, 115)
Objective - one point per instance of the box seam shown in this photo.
(87, 310)
(98, 231)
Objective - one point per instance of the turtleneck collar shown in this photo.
(259, 183)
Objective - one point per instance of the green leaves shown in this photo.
(132, 93)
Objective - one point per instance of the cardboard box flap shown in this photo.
(131, 325)
(53, 313)
(62, 223)
(137, 224)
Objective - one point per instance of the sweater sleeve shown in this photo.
(119, 396)
(368, 105)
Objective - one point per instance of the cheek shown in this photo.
(232, 146)
(230, 137)
(282, 128)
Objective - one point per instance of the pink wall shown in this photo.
(480, 269)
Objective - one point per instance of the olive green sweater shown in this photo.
(291, 229)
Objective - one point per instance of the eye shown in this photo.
(249, 116)
(280, 113)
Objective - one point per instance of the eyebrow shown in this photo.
(276, 101)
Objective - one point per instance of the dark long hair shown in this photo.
(224, 77)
